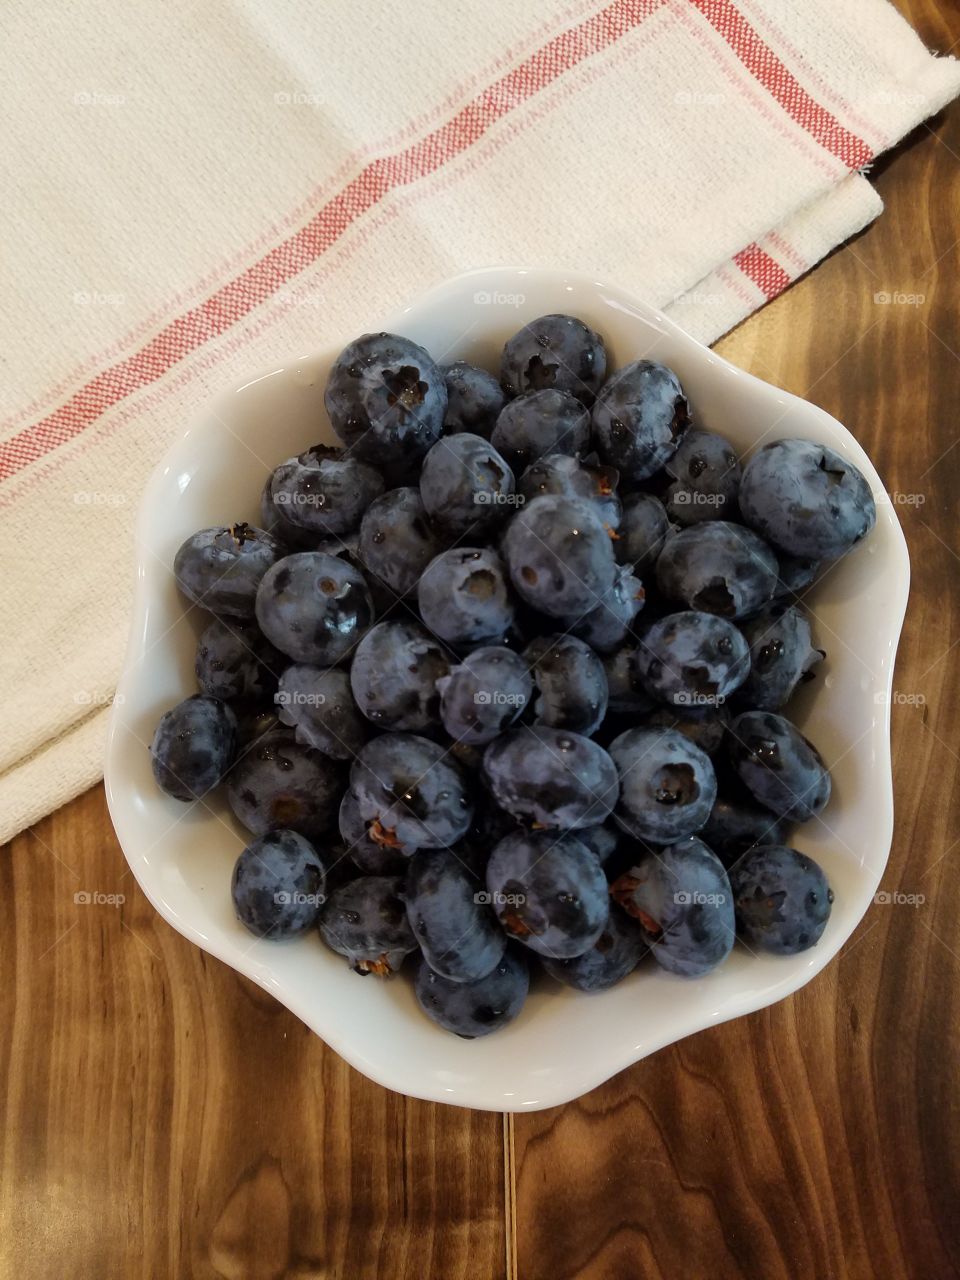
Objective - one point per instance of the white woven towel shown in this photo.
(191, 193)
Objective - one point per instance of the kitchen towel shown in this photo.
(194, 191)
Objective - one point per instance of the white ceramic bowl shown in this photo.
(564, 1043)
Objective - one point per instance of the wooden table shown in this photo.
(166, 1118)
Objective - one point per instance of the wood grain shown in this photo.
(163, 1117)
(820, 1138)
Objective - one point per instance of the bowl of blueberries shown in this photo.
(525, 659)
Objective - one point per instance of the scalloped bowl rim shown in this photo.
(563, 1044)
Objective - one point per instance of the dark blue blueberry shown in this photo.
(642, 533)
(234, 660)
(796, 574)
(473, 1009)
(569, 477)
(782, 900)
(324, 491)
(539, 423)
(693, 659)
(482, 696)
(640, 418)
(291, 537)
(368, 846)
(365, 921)
(463, 597)
(719, 568)
(778, 766)
(607, 625)
(278, 885)
(614, 955)
(222, 568)
(449, 912)
(551, 777)
(549, 892)
(554, 351)
(386, 399)
(737, 823)
(193, 747)
(474, 399)
(682, 898)
(806, 499)
(627, 695)
(667, 784)
(781, 656)
(465, 485)
(559, 556)
(397, 540)
(318, 703)
(706, 479)
(602, 841)
(278, 783)
(570, 681)
(394, 676)
(314, 607)
(255, 721)
(413, 790)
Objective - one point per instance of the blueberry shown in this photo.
(482, 696)
(234, 660)
(569, 477)
(386, 399)
(571, 683)
(614, 955)
(451, 918)
(394, 676)
(539, 423)
(473, 1009)
(222, 568)
(806, 499)
(463, 597)
(369, 847)
(643, 530)
(705, 726)
(640, 419)
(549, 892)
(782, 900)
(737, 823)
(781, 656)
(627, 695)
(607, 625)
(667, 784)
(314, 607)
(693, 659)
(319, 705)
(719, 568)
(255, 721)
(278, 885)
(281, 784)
(551, 777)
(474, 399)
(365, 921)
(682, 898)
(465, 485)
(796, 574)
(559, 556)
(413, 789)
(778, 766)
(193, 747)
(290, 536)
(556, 352)
(602, 841)
(705, 473)
(324, 491)
(397, 541)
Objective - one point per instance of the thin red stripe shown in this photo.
(763, 63)
(253, 286)
(765, 272)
